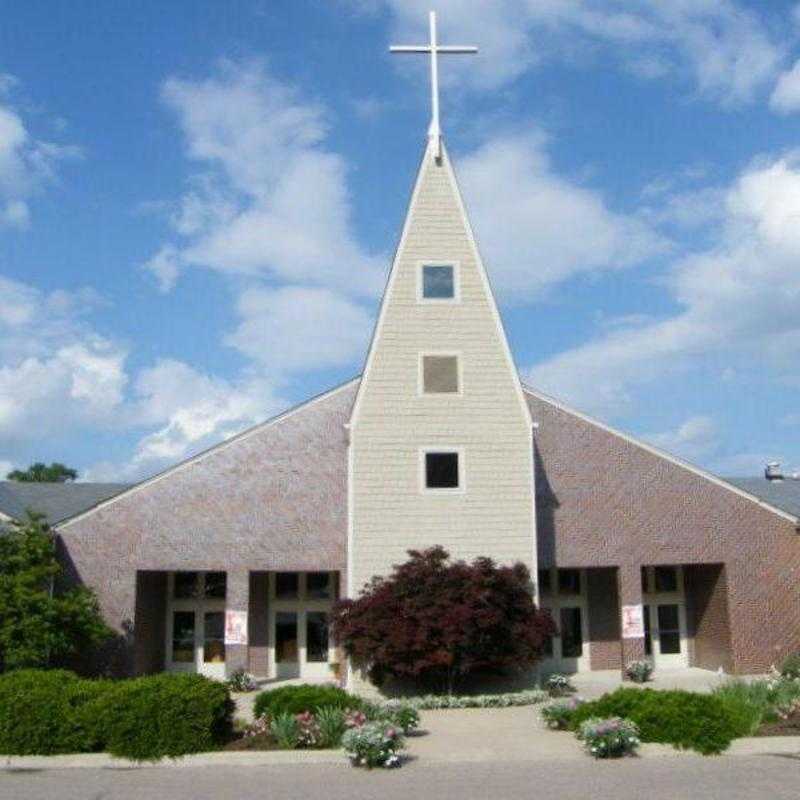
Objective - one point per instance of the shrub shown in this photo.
(639, 671)
(303, 697)
(701, 722)
(164, 715)
(790, 668)
(242, 681)
(285, 730)
(44, 712)
(747, 703)
(437, 621)
(609, 738)
(558, 714)
(558, 685)
(373, 745)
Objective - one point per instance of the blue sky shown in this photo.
(199, 202)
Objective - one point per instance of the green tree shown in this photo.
(41, 473)
(41, 623)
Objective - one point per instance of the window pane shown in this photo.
(215, 584)
(214, 638)
(285, 637)
(437, 283)
(440, 374)
(666, 579)
(669, 636)
(648, 636)
(569, 581)
(441, 470)
(318, 585)
(544, 581)
(316, 636)
(287, 585)
(185, 585)
(183, 636)
(571, 633)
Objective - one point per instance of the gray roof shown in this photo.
(56, 501)
(784, 494)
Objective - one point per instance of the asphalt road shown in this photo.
(725, 777)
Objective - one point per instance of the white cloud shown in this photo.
(694, 439)
(785, 97)
(5, 468)
(26, 163)
(297, 328)
(738, 298)
(270, 200)
(527, 234)
(726, 49)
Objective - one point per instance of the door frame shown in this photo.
(651, 600)
(554, 602)
(200, 605)
(301, 606)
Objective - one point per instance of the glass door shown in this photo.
(287, 645)
(665, 617)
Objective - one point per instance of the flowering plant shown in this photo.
(558, 714)
(308, 732)
(258, 727)
(558, 685)
(401, 714)
(609, 738)
(528, 697)
(354, 718)
(639, 671)
(242, 681)
(374, 744)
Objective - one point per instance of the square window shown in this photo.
(569, 581)
(441, 471)
(544, 581)
(185, 585)
(215, 584)
(438, 282)
(183, 637)
(440, 374)
(318, 585)
(287, 585)
(666, 579)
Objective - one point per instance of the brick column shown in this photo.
(237, 599)
(629, 586)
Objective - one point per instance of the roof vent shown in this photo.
(772, 472)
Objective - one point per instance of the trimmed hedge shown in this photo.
(687, 720)
(303, 697)
(164, 715)
(47, 712)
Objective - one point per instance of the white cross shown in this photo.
(434, 132)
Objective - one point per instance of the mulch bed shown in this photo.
(262, 742)
(781, 727)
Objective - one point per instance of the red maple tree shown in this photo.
(437, 621)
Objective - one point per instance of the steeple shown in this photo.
(434, 48)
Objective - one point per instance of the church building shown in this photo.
(233, 558)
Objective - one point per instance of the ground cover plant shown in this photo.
(765, 706)
(527, 697)
(609, 738)
(437, 621)
(689, 720)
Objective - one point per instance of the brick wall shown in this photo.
(707, 612)
(604, 619)
(149, 630)
(257, 623)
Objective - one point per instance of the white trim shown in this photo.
(661, 454)
(389, 288)
(456, 298)
(213, 449)
(462, 472)
(457, 355)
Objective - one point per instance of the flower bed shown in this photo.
(559, 713)
(429, 702)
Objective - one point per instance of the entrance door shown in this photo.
(299, 617)
(196, 623)
(665, 617)
(563, 594)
